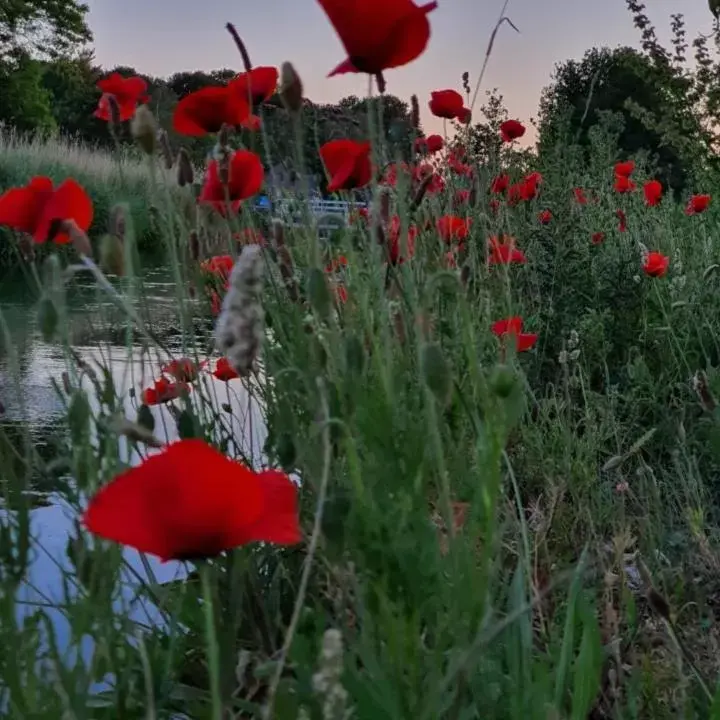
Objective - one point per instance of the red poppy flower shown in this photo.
(220, 265)
(37, 208)
(598, 238)
(494, 206)
(434, 143)
(462, 197)
(336, 264)
(511, 130)
(252, 123)
(189, 502)
(446, 104)
(512, 327)
(258, 85)
(378, 34)
(164, 391)
(653, 191)
(341, 293)
(580, 196)
(399, 254)
(451, 227)
(128, 93)
(347, 163)
(624, 169)
(502, 251)
(545, 217)
(245, 180)
(697, 204)
(184, 370)
(622, 220)
(224, 371)
(500, 184)
(527, 189)
(208, 109)
(359, 216)
(465, 116)
(656, 264)
(623, 184)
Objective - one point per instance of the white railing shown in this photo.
(292, 212)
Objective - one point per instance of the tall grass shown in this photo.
(489, 534)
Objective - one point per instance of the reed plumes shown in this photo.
(240, 327)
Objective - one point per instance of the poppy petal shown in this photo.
(69, 201)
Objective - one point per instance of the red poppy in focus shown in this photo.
(208, 109)
(512, 327)
(511, 130)
(451, 227)
(598, 238)
(500, 184)
(190, 501)
(580, 195)
(184, 370)
(545, 217)
(527, 189)
(245, 180)
(446, 104)
(623, 184)
(224, 371)
(624, 169)
(697, 204)
(37, 208)
(398, 253)
(378, 34)
(502, 251)
(258, 85)
(164, 391)
(347, 163)
(128, 93)
(656, 264)
(622, 220)
(653, 192)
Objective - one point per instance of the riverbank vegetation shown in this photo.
(458, 460)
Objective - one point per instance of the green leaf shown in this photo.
(588, 669)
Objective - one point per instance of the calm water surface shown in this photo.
(32, 404)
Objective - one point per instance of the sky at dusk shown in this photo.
(161, 37)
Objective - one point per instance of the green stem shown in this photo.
(212, 643)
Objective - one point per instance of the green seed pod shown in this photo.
(436, 372)
(502, 381)
(48, 318)
(319, 293)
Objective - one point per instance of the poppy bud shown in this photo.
(436, 372)
(502, 381)
(112, 256)
(319, 293)
(116, 222)
(194, 243)
(144, 129)
(185, 172)
(291, 88)
(415, 112)
(166, 149)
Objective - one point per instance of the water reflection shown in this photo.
(34, 411)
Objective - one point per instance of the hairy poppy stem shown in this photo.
(312, 548)
(212, 643)
(240, 46)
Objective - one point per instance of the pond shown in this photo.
(31, 373)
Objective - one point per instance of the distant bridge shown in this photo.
(328, 214)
